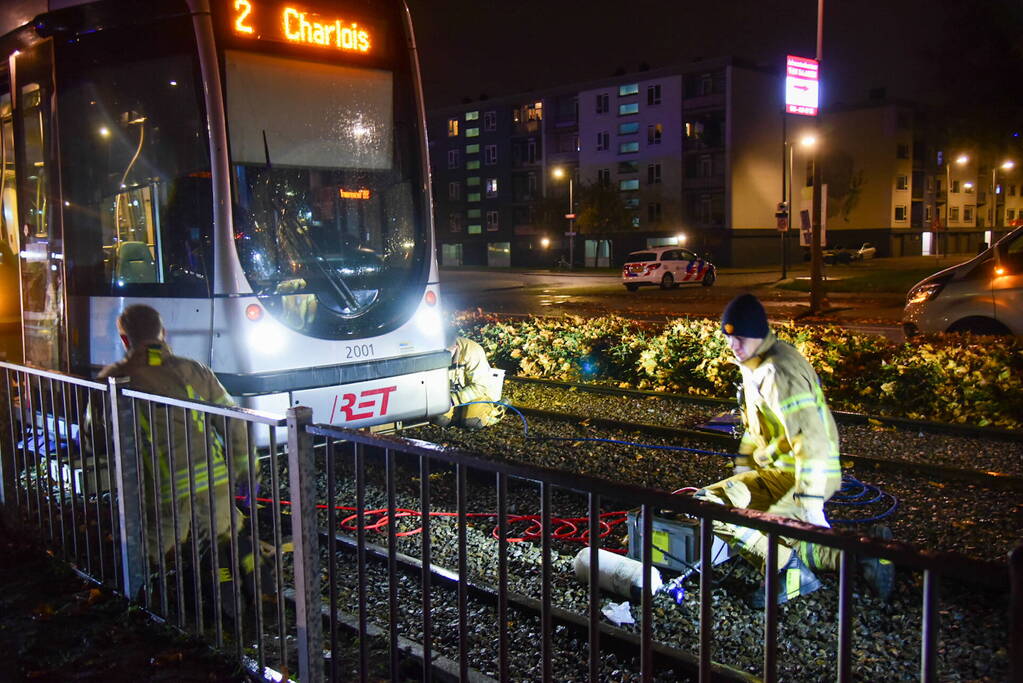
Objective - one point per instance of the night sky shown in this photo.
(910, 47)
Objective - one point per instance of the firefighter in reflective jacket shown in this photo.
(470, 393)
(182, 463)
(788, 462)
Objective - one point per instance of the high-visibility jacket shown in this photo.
(468, 373)
(788, 425)
(153, 369)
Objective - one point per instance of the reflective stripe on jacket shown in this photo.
(787, 420)
(153, 369)
(468, 373)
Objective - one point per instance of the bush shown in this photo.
(961, 379)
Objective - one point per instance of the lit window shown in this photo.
(472, 149)
(490, 120)
(472, 115)
(628, 109)
(603, 103)
(490, 155)
(452, 158)
(535, 111)
(452, 128)
(630, 89)
(635, 219)
(603, 141)
(632, 203)
(473, 180)
(968, 188)
(628, 147)
(654, 133)
(630, 184)
(472, 165)
(628, 128)
(475, 229)
(472, 132)
(473, 196)
(902, 182)
(491, 188)
(493, 220)
(900, 213)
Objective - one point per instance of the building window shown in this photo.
(454, 190)
(1010, 214)
(628, 109)
(535, 111)
(930, 183)
(955, 186)
(902, 151)
(1012, 190)
(705, 210)
(453, 158)
(472, 149)
(630, 128)
(472, 115)
(472, 181)
(968, 188)
(654, 133)
(628, 147)
(653, 174)
(603, 103)
(490, 120)
(531, 184)
(454, 222)
(472, 132)
(491, 188)
(603, 141)
(472, 165)
(706, 84)
(653, 211)
(475, 229)
(473, 213)
(531, 155)
(927, 215)
(452, 128)
(493, 221)
(653, 94)
(490, 155)
(632, 203)
(902, 182)
(635, 219)
(604, 176)
(628, 167)
(900, 213)
(967, 214)
(706, 166)
(627, 185)
(473, 196)
(630, 89)
(953, 214)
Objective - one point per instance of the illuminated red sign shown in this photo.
(802, 85)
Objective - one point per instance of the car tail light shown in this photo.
(253, 312)
(430, 298)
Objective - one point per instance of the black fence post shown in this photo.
(304, 536)
(1016, 614)
(129, 497)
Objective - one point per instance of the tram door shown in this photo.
(41, 248)
(10, 288)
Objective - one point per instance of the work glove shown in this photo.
(739, 469)
(813, 509)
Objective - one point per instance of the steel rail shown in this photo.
(841, 416)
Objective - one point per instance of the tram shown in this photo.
(256, 170)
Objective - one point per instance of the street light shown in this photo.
(1007, 165)
(559, 173)
(545, 242)
(960, 160)
(680, 239)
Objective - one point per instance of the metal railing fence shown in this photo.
(407, 562)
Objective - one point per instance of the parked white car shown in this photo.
(666, 267)
(983, 295)
(868, 250)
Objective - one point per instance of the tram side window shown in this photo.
(136, 180)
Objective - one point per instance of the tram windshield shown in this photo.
(326, 216)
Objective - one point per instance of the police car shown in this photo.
(667, 267)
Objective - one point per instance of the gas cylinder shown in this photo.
(617, 573)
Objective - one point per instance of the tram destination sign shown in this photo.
(299, 24)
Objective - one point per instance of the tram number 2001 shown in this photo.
(359, 351)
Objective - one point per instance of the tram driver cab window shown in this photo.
(137, 197)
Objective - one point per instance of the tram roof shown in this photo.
(16, 13)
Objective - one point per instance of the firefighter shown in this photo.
(152, 368)
(468, 376)
(788, 460)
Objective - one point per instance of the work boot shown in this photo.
(795, 579)
(879, 573)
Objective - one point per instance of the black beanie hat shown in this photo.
(744, 316)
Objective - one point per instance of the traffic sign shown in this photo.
(802, 85)
(570, 216)
(783, 223)
(569, 234)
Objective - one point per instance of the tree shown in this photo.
(601, 210)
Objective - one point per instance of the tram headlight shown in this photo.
(428, 321)
(266, 336)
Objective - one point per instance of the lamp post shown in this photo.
(1007, 166)
(960, 160)
(560, 173)
(817, 298)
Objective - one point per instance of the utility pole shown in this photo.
(817, 296)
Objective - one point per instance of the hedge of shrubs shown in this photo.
(963, 379)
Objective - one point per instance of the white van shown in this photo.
(983, 295)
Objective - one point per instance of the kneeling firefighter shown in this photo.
(468, 376)
(788, 461)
